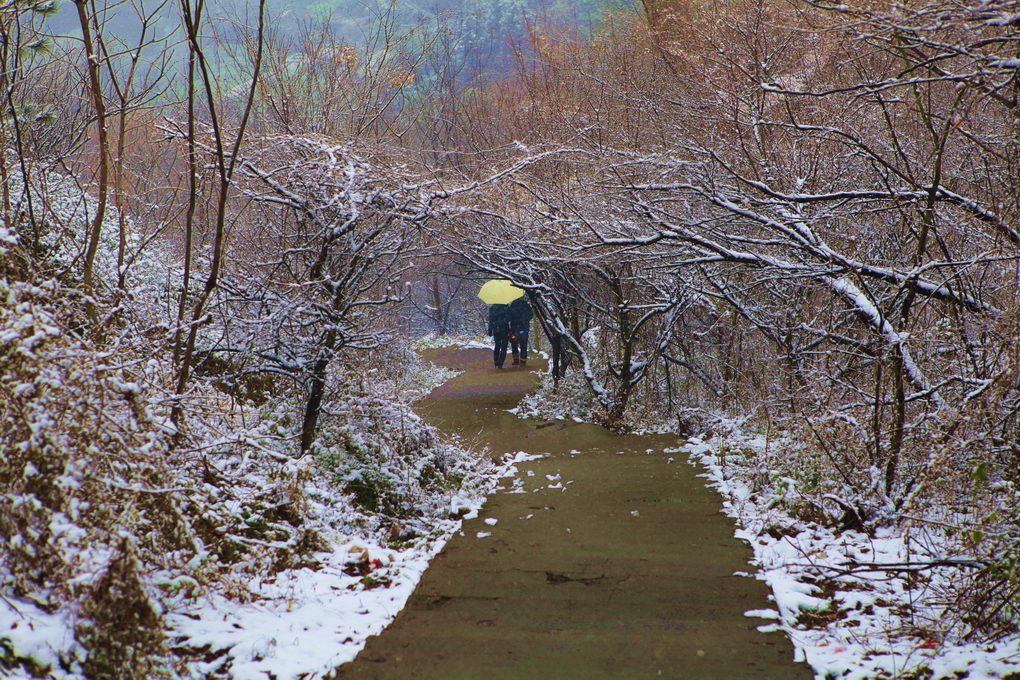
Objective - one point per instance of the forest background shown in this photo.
(225, 226)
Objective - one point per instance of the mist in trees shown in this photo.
(480, 38)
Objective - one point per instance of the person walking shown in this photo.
(520, 321)
(499, 329)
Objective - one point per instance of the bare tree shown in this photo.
(21, 39)
(327, 241)
(225, 152)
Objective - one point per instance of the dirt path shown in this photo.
(627, 573)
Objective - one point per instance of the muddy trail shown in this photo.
(615, 562)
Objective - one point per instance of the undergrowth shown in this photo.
(113, 515)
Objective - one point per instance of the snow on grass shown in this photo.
(45, 640)
(415, 377)
(436, 341)
(271, 607)
(572, 399)
(295, 622)
(847, 623)
(303, 623)
(569, 401)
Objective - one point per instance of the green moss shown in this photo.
(372, 491)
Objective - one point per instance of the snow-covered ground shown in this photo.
(433, 341)
(301, 623)
(845, 621)
(305, 623)
(296, 621)
(863, 625)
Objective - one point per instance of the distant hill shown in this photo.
(476, 26)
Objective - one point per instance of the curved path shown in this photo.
(625, 572)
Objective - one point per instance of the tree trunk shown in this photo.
(437, 303)
(95, 229)
(313, 406)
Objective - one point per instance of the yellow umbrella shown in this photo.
(499, 292)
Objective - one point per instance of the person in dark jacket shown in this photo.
(520, 320)
(499, 329)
